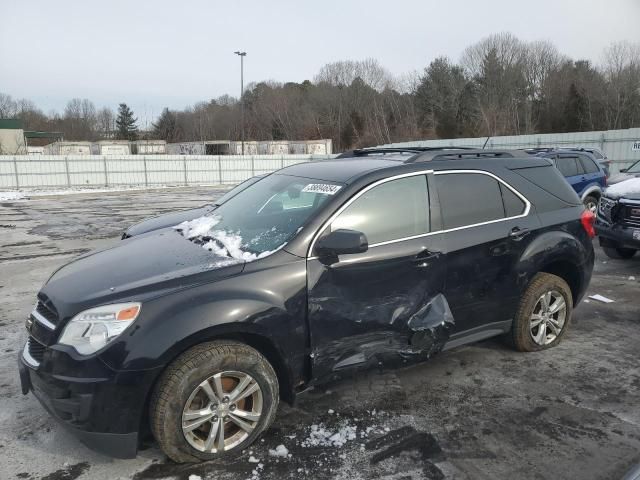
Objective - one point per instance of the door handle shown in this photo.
(518, 233)
(422, 259)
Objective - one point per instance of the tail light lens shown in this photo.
(588, 219)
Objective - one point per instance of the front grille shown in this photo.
(35, 349)
(47, 312)
(631, 215)
(605, 207)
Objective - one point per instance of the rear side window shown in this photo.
(597, 155)
(550, 180)
(569, 166)
(391, 211)
(469, 198)
(513, 205)
(588, 165)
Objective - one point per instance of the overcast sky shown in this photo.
(156, 53)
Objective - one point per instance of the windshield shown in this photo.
(635, 168)
(261, 218)
(237, 189)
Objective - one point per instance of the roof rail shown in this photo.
(360, 152)
(463, 154)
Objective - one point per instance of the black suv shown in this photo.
(379, 257)
(618, 221)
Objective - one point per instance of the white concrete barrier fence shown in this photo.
(73, 171)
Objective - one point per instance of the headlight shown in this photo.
(92, 329)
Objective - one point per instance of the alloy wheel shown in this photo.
(548, 317)
(222, 412)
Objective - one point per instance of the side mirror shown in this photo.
(342, 242)
(623, 170)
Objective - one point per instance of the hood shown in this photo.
(134, 269)
(629, 189)
(168, 220)
(621, 177)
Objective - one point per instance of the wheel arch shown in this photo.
(558, 253)
(259, 342)
(569, 272)
(592, 190)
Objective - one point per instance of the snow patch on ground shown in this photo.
(11, 196)
(16, 195)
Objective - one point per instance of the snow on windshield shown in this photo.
(220, 242)
(625, 187)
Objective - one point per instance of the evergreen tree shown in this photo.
(126, 128)
(166, 127)
(575, 110)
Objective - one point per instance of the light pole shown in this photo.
(241, 55)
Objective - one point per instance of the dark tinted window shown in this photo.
(390, 211)
(469, 198)
(588, 165)
(550, 180)
(568, 166)
(513, 205)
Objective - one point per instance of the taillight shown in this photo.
(587, 219)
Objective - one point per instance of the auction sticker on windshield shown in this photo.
(636, 234)
(322, 188)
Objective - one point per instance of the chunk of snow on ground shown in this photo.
(625, 187)
(632, 277)
(195, 477)
(601, 298)
(331, 411)
(320, 436)
(280, 451)
(253, 459)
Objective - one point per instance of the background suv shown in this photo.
(583, 173)
(380, 257)
(618, 221)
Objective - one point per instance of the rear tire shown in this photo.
(619, 253)
(591, 203)
(206, 386)
(543, 315)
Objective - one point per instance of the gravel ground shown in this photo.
(477, 412)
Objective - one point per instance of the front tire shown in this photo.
(591, 203)
(543, 315)
(215, 399)
(619, 253)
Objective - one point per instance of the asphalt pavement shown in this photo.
(478, 412)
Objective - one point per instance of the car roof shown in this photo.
(351, 166)
(338, 170)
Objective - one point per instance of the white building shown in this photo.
(111, 147)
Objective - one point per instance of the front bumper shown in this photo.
(617, 236)
(104, 410)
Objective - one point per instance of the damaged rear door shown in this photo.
(384, 305)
